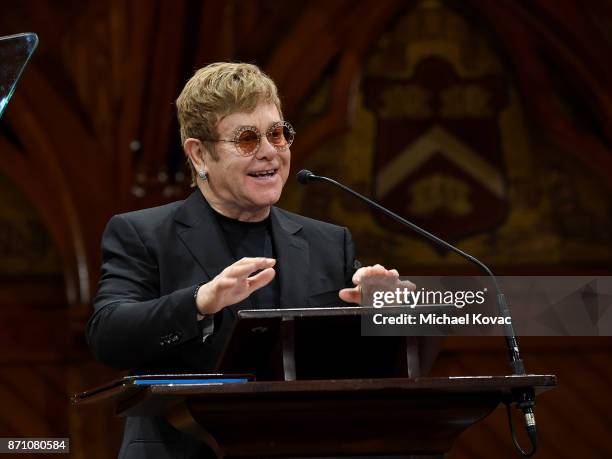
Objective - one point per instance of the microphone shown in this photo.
(305, 177)
(526, 397)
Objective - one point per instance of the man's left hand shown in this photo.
(376, 272)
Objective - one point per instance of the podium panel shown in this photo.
(321, 390)
(396, 416)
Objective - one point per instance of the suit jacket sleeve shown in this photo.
(132, 325)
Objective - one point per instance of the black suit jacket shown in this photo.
(144, 313)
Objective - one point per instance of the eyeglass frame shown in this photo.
(239, 130)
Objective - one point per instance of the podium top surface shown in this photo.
(288, 313)
(391, 387)
(452, 384)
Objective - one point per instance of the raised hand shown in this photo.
(374, 274)
(233, 284)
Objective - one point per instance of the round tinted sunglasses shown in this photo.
(248, 138)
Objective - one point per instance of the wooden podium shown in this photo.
(370, 404)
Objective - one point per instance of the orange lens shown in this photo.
(281, 135)
(276, 136)
(247, 142)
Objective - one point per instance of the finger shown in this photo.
(350, 295)
(357, 276)
(246, 260)
(380, 269)
(362, 273)
(261, 279)
(373, 273)
(391, 273)
(407, 284)
(377, 270)
(246, 266)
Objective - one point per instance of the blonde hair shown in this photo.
(216, 91)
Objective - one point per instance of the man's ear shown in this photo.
(195, 151)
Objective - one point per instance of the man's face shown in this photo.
(236, 186)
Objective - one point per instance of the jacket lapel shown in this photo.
(292, 260)
(202, 235)
(204, 239)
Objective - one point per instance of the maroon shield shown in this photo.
(437, 153)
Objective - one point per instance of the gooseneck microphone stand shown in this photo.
(524, 398)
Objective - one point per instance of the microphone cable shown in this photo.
(530, 427)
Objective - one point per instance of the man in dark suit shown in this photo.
(173, 277)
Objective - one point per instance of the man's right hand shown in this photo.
(233, 284)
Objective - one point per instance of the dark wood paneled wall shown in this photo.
(91, 132)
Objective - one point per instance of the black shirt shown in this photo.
(252, 239)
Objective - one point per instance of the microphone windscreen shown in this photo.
(304, 176)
